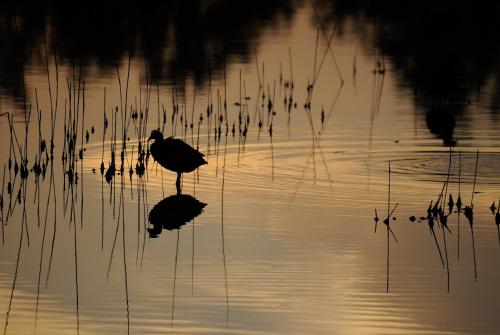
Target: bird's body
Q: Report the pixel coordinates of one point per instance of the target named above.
(175, 155)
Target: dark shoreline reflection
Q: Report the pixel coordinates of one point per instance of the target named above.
(177, 39)
(446, 52)
(173, 212)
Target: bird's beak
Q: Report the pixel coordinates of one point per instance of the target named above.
(150, 138)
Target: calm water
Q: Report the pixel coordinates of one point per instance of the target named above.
(286, 242)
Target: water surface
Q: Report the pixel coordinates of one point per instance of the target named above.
(286, 242)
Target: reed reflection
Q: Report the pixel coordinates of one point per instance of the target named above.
(448, 63)
(440, 210)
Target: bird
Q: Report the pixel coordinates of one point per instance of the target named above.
(175, 155)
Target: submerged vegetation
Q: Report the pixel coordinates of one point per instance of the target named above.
(439, 211)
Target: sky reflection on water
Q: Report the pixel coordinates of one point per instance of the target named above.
(285, 243)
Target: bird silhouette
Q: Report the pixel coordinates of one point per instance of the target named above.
(175, 155)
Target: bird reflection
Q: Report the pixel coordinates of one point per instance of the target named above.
(173, 212)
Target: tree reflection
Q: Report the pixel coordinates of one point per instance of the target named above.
(444, 51)
(177, 39)
(447, 53)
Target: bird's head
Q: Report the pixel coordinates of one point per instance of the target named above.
(156, 135)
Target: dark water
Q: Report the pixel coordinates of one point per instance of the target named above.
(276, 233)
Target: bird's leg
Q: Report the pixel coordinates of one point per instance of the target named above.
(178, 183)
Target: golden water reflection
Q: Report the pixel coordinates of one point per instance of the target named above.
(285, 243)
